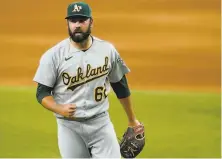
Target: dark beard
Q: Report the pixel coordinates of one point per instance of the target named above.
(80, 38)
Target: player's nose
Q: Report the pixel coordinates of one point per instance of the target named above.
(78, 24)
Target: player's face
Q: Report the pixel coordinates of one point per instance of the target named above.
(79, 28)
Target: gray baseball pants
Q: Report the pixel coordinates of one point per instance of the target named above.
(93, 138)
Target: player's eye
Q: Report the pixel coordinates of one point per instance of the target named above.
(81, 20)
(73, 20)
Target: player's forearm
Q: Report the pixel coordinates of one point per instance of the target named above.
(50, 104)
(44, 97)
(127, 105)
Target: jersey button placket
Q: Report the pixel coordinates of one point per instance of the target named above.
(85, 86)
(85, 81)
(86, 63)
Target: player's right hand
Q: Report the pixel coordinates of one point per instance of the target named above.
(67, 110)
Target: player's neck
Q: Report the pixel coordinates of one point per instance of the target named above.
(83, 45)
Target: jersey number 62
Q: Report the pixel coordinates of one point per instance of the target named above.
(100, 93)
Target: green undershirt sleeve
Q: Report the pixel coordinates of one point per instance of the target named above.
(43, 91)
(121, 88)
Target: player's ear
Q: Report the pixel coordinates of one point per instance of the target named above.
(91, 22)
(67, 24)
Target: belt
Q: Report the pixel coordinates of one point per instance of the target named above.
(82, 119)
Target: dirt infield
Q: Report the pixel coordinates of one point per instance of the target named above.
(173, 44)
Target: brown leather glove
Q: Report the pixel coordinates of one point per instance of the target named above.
(133, 141)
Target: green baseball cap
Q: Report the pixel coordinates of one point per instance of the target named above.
(78, 9)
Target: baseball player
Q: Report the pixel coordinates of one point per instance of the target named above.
(74, 78)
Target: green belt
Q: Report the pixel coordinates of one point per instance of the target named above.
(81, 119)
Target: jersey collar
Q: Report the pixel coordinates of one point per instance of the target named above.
(72, 49)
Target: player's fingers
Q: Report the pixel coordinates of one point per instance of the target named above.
(72, 106)
(71, 111)
(70, 115)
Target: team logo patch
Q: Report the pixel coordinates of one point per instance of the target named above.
(77, 8)
(119, 60)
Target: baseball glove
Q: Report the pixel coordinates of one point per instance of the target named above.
(132, 142)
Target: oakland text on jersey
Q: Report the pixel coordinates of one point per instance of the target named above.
(91, 73)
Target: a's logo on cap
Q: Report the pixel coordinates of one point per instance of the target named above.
(77, 8)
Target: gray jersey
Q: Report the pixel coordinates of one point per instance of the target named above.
(79, 77)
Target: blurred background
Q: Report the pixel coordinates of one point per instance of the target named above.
(168, 44)
(171, 46)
